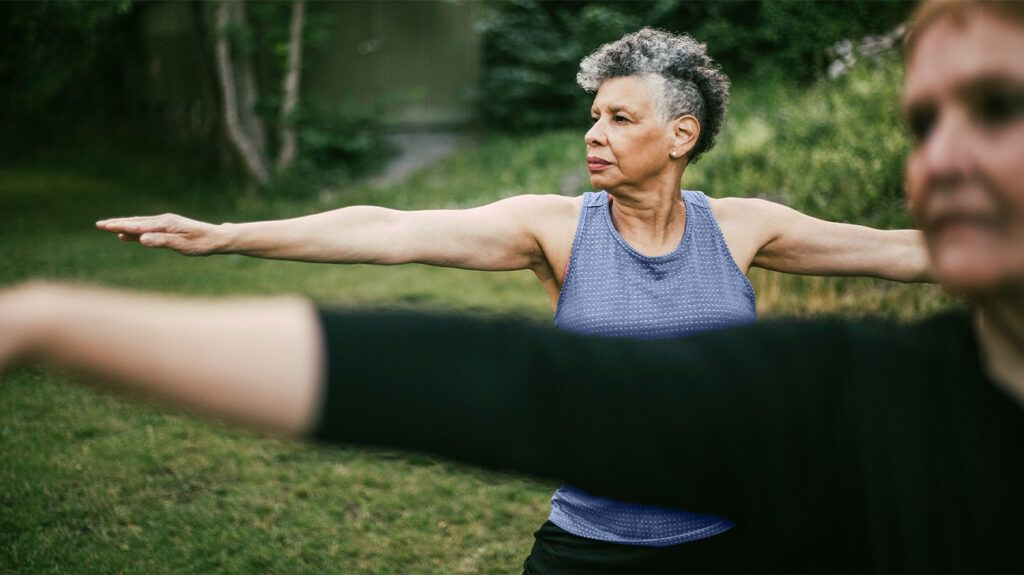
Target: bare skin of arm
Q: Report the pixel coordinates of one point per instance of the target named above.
(256, 362)
(767, 235)
(531, 232)
(522, 232)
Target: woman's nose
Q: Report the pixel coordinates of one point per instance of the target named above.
(595, 135)
(944, 151)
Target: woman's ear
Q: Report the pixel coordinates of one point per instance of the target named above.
(685, 133)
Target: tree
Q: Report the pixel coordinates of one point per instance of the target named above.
(286, 155)
(240, 94)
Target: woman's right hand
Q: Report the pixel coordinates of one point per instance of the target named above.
(23, 314)
(171, 231)
(254, 360)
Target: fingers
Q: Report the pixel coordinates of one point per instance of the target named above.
(161, 240)
(142, 224)
(189, 237)
(131, 226)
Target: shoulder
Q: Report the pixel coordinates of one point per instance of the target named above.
(542, 202)
(941, 334)
(551, 221)
(543, 207)
(886, 344)
(758, 220)
(746, 208)
(748, 223)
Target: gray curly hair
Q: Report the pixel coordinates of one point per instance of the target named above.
(692, 82)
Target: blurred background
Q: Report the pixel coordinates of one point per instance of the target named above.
(233, 111)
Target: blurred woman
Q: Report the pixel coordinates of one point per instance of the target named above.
(638, 258)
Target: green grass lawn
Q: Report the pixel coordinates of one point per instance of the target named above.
(90, 482)
(94, 483)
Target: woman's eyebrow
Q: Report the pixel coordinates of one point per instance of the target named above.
(613, 108)
(966, 90)
(621, 108)
(993, 81)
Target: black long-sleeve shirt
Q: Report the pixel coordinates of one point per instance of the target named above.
(836, 446)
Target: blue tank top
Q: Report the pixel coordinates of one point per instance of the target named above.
(610, 289)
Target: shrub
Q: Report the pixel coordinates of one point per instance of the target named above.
(531, 51)
(834, 149)
(531, 48)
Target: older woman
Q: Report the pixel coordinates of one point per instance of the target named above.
(637, 259)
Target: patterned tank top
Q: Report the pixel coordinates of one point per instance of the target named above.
(610, 289)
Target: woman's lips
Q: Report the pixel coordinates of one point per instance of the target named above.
(595, 164)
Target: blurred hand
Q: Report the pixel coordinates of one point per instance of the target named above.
(183, 235)
(10, 334)
(21, 319)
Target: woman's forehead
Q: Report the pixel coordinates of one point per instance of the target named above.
(951, 55)
(638, 93)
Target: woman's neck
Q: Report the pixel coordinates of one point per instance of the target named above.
(1000, 324)
(652, 220)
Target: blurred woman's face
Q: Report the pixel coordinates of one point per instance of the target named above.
(629, 142)
(964, 103)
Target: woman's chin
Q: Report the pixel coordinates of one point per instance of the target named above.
(978, 277)
(600, 181)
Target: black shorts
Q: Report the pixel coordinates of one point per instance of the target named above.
(555, 550)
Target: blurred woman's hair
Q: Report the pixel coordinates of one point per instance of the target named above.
(958, 11)
(691, 82)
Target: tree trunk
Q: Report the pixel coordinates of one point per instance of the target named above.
(254, 162)
(248, 93)
(292, 78)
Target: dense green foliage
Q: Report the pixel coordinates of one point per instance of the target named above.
(57, 56)
(336, 136)
(346, 138)
(834, 149)
(532, 47)
(64, 68)
(63, 64)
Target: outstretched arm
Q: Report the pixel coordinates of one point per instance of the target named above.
(254, 361)
(504, 235)
(786, 429)
(491, 393)
(785, 240)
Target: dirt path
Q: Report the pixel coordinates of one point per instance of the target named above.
(419, 149)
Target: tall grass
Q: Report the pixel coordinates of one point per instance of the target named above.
(94, 483)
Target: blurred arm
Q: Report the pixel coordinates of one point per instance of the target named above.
(498, 236)
(736, 422)
(796, 243)
(254, 361)
(492, 393)
(718, 423)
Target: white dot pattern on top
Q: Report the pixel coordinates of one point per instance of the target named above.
(610, 289)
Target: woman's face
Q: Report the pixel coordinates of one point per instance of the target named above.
(964, 103)
(629, 143)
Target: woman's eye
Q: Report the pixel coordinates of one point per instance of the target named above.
(998, 108)
(920, 123)
(594, 119)
(621, 119)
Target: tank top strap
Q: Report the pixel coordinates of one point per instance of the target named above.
(595, 199)
(593, 204)
(698, 199)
